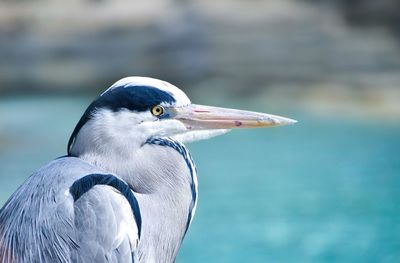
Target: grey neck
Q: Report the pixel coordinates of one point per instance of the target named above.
(163, 179)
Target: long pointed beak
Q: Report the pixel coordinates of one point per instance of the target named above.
(198, 117)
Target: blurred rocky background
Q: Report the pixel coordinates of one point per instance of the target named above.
(342, 55)
(323, 190)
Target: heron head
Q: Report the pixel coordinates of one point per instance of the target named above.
(135, 109)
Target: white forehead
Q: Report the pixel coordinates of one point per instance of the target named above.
(179, 95)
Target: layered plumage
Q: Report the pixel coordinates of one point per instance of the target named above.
(127, 190)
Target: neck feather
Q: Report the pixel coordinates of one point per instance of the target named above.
(163, 175)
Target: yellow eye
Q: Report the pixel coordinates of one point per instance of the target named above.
(157, 110)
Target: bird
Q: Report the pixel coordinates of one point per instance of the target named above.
(126, 191)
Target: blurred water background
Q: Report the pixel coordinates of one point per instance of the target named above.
(324, 190)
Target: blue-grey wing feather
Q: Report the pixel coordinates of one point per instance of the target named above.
(106, 229)
(41, 222)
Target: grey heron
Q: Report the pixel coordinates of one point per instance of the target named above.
(127, 190)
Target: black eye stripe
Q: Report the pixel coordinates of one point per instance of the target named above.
(134, 98)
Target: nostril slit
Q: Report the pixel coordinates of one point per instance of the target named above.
(238, 123)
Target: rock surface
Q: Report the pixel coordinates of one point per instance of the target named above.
(245, 47)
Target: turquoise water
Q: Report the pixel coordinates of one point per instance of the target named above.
(324, 190)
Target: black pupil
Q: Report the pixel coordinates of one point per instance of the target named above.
(157, 110)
